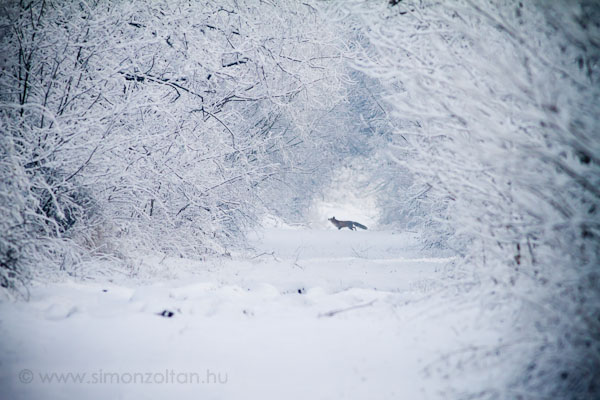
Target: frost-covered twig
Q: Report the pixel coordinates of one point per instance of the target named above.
(334, 312)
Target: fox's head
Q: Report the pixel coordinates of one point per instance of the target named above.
(332, 219)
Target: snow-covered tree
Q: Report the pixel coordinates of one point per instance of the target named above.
(499, 104)
(152, 125)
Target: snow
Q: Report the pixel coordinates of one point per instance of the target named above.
(346, 198)
(313, 314)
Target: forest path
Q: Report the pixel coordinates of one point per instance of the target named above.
(313, 314)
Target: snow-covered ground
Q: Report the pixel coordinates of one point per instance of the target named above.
(310, 314)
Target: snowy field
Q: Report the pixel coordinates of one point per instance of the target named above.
(314, 314)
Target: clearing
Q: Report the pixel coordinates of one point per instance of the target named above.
(313, 314)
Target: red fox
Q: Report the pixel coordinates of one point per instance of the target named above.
(346, 224)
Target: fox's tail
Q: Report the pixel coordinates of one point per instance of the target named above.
(361, 226)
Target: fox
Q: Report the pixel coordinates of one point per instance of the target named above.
(346, 224)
